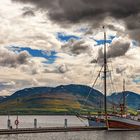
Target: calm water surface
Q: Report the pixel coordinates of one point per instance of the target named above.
(92, 135)
(44, 121)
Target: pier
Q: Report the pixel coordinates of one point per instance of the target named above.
(49, 129)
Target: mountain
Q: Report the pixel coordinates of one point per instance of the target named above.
(52, 100)
(63, 99)
(132, 99)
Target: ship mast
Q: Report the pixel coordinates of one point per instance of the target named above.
(105, 72)
(124, 96)
(122, 105)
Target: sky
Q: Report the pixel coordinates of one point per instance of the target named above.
(50, 43)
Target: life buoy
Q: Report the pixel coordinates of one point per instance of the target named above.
(16, 122)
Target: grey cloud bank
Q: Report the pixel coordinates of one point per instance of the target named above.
(10, 59)
(76, 10)
(92, 11)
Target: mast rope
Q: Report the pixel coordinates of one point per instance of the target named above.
(82, 121)
(92, 87)
(112, 75)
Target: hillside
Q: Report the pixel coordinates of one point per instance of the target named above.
(2, 98)
(52, 100)
(132, 99)
(64, 99)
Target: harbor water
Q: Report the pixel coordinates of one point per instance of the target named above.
(47, 121)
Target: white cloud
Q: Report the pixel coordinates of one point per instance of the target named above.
(25, 31)
(73, 64)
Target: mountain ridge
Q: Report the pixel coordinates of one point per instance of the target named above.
(132, 98)
(52, 99)
(61, 99)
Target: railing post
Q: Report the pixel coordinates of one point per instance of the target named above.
(35, 123)
(65, 123)
(8, 123)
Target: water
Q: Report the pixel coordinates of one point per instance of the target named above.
(91, 135)
(44, 121)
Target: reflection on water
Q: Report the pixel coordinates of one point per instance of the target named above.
(91, 135)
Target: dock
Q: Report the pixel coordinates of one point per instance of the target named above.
(50, 129)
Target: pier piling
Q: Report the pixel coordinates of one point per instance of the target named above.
(8, 123)
(35, 123)
(65, 123)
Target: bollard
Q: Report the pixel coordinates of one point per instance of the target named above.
(65, 123)
(8, 123)
(35, 123)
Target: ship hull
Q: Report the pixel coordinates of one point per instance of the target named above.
(93, 121)
(96, 124)
(118, 123)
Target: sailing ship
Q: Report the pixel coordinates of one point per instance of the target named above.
(112, 122)
(118, 121)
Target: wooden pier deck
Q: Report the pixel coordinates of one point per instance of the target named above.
(49, 129)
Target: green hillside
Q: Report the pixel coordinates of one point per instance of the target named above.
(69, 99)
(64, 99)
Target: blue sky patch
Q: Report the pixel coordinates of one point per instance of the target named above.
(64, 38)
(49, 55)
(137, 80)
(101, 42)
(135, 43)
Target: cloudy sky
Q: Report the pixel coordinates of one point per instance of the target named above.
(48, 43)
